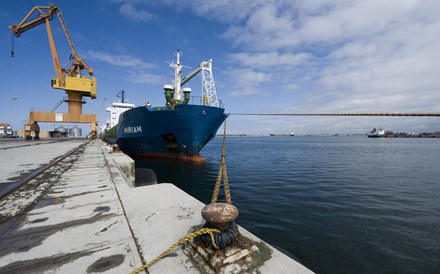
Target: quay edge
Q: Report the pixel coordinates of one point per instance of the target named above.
(173, 214)
(95, 220)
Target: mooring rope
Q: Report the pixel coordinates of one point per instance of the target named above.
(182, 240)
(341, 114)
(222, 174)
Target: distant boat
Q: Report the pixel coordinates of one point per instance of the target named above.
(376, 132)
(275, 134)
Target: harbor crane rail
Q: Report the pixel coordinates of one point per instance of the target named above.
(71, 80)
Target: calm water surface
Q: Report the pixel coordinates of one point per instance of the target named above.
(338, 204)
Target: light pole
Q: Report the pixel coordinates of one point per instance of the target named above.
(13, 112)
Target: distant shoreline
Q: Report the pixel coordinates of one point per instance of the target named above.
(389, 135)
(411, 135)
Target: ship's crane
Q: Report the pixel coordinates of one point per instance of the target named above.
(71, 79)
(209, 93)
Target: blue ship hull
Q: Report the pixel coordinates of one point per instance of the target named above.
(177, 132)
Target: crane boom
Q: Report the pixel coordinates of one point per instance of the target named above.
(209, 92)
(23, 26)
(80, 64)
(46, 14)
(72, 78)
(190, 75)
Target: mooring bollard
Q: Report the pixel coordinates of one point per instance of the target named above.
(221, 216)
(116, 148)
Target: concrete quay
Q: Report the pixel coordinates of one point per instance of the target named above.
(91, 219)
(19, 157)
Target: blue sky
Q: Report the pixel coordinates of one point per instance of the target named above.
(268, 56)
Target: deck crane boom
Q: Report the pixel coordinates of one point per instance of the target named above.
(209, 93)
(71, 80)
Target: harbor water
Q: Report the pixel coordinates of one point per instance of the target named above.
(338, 204)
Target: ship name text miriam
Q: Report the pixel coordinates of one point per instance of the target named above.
(134, 129)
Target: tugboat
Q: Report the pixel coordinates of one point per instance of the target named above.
(180, 128)
(375, 133)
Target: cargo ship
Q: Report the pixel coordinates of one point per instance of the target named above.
(108, 130)
(291, 133)
(178, 129)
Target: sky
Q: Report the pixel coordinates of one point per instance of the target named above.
(329, 56)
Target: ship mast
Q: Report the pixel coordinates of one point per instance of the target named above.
(177, 77)
(209, 93)
(121, 95)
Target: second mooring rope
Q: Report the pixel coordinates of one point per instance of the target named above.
(222, 174)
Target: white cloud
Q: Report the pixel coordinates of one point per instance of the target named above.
(134, 67)
(401, 63)
(269, 59)
(292, 87)
(286, 24)
(266, 26)
(221, 10)
(357, 56)
(135, 14)
(143, 77)
(118, 60)
(252, 71)
(355, 19)
(369, 54)
(246, 81)
(330, 56)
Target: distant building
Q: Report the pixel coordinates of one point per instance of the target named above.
(5, 130)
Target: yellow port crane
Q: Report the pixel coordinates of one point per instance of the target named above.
(71, 80)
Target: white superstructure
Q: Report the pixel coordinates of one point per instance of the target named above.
(116, 109)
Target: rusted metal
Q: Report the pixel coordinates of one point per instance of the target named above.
(219, 215)
(244, 254)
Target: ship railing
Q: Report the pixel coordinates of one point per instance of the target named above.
(200, 100)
